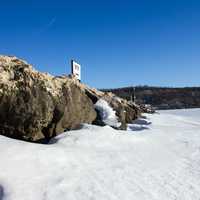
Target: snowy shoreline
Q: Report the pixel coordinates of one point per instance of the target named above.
(161, 161)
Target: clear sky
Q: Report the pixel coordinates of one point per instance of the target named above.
(118, 43)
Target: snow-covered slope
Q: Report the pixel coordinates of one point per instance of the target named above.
(158, 161)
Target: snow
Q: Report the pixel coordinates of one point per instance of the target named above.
(159, 162)
(108, 115)
(139, 124)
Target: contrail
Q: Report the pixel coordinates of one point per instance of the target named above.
(47, 26)
(51, 23)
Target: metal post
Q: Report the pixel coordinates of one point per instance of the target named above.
(134, 97)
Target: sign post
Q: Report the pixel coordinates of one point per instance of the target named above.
(76, 69)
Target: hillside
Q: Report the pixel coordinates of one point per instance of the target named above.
(162, 97)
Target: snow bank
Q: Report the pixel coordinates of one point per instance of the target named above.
(108, 115)
(158, 163)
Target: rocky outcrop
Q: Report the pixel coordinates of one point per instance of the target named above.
(35, 106)
(125, 111)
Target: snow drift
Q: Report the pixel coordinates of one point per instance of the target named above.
(108, 115)
(161, 162)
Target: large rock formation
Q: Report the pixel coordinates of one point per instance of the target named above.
(36, 106)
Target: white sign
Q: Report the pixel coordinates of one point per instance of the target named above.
(76, 69)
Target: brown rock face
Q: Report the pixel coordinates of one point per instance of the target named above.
(34, 105)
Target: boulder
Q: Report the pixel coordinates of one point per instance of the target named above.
(125, 111)
(36, 106)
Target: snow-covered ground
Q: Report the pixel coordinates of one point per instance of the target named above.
(159, 160)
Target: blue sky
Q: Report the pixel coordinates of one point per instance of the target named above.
(118, 43)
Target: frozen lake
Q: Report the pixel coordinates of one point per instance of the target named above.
(159, 161)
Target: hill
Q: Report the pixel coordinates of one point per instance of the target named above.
(161, 97)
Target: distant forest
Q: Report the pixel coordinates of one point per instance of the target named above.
(161, 97)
